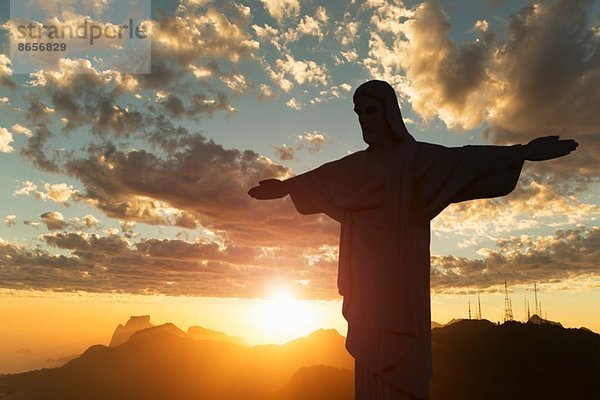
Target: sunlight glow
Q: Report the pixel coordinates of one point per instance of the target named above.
(283, 317)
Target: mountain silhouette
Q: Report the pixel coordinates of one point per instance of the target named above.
(200, 333)
(473, 359)
(123, 332)
(476, 359)
(318, 382)
(163, 362)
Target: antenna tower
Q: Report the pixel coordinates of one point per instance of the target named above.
(469, 308)
(538, 306)
(478, 307)
(508, 314)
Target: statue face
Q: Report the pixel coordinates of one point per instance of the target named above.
(376, 130)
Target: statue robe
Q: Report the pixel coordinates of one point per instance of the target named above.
(385, 205)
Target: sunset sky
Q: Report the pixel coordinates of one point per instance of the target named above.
(125, 194)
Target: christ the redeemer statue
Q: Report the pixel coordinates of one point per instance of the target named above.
(385, 197)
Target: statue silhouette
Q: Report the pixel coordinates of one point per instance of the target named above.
(385, 197)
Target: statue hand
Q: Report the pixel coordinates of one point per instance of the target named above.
(548, 147)
(268, 189)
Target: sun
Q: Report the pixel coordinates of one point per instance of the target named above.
(282, 317)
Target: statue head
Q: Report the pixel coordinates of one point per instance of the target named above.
(379, 116)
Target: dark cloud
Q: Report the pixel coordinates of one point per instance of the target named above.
(174, 106)
(439, 77)
(35, 151)
(568, 254)
(285, 152)
(537, 76)
(39, 114)
(203, 180)
(175, 267)
(550, 67)
(53, 220)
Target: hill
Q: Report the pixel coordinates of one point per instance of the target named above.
(318, 382)
(163, 362)
(123, 332)
(476, 359)
(200, 333)
(472, 359)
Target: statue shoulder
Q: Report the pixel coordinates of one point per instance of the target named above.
(346, 161)
(432, 147)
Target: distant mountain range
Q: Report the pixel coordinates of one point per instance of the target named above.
(163, 362)
(138, 323)
(473, 359)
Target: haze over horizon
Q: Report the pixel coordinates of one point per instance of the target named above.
(470, 359)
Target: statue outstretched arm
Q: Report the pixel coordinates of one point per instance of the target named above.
(452, 175)
(547, 148)
(269, 189)
(311, 192)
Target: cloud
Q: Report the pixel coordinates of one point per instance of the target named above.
(6, 72)
(202, 179)
(21, 130)
(346, 56)
(27, 188)
(510, 79)
(53, 220)
(141, 166)
(10, 220)
(127, 229)
(114, 264)
(308, 26)
(266, 92)
(36, 149)
(539, 94)
(529, 206)
(557, 93)
(439, 78)
(347, 30)
(88, 221)
(302, 71)
(60, 192)
(566, 255)
(315, 140)
(84, 95)
(204, 34)
(293, 104)
(285, 152)
(57, 192)
(6, 139)
(268, 34)
(31, 223)
(321, 14)
(282, 10)
(236, 82)
(388, 16)
(197, 42)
